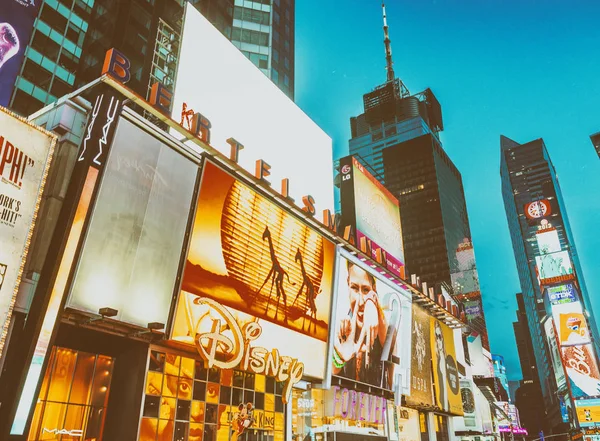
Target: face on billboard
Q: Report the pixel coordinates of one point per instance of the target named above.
(420, 385)
(372, 330)
(588, 412)
(377, 215)
(132, 250)
(263, 265)
(445, 369)
(571, 324)
(241, 102)
(24, 157)
(562, 294)
(582, 371)
(548, 242)
(16, 25)
(554, 265)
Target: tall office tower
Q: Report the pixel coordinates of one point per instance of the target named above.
(264, 31)
(500, 371)
(524, 344)
(555, 297)
(595, 138)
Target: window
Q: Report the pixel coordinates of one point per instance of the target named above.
(36, 74)
(53, 18)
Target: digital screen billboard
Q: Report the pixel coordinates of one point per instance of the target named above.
(571, 324)
(538, 209)
(551, 338)
(242, 103)
(263, 265)
(25, 155)
(16, 26)
(588, 412)
(371, 335)
(421, 392)
(560, 294)
(548, 242)
(582, 371)
(445, 369)
(554, 265)
(131, 255)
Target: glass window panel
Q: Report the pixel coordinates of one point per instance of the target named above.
(196, 431)
(95, 423)
(184, 388)
(249, 381)
(201, 371)
(269, 402)
(62, 375)
(211, 414)
(199, 391)
(154, 383)
(165, 430)
(151, 406)
(54, 415)
(226, 377)
(259, 400)
(259, 383)
(148, 429)
(212, 393)
(187, 367)
(237, 396)
(225, 396)
(170, 386)
(157, 361)
(167, 408)
(214, 375)
(238, 379)
(76, 417)
(181, 431)
(82, 380)
(197, 412)
(248, 396)
(102, 377)
(210, 433)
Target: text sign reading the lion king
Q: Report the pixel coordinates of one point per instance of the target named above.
(264, 266)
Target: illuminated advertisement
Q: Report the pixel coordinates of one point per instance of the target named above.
(554, 266)
(538, 209)
(502, 412)
(445, 370)
(377, 219)
(267, 269)
(466, 279)
(16, 25)
(25, 155)
(562, 294)
(185, 400)
(468, 402)
(241, 102)
(352, 405)
(133, 245)
(421, 392)
(548, 242)
(588, 412)
(571, 324)
(372, 329)
(582, 371)
(551, 338)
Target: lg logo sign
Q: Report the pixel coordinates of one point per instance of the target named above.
(74, 433)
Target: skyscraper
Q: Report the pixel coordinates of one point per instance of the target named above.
(70, 39)
(524, 344)
(549, 271)
(264, 31)
(595, 138)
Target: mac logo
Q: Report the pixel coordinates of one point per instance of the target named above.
(76, 433)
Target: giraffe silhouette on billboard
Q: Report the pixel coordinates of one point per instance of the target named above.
(310, 292)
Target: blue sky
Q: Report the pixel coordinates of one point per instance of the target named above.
(525, 69)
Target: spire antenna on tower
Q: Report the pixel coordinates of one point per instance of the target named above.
(388, 47)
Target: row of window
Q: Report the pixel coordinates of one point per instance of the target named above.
(249, 36)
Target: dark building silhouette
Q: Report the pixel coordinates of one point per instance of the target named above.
(595, 138)
(524, 345)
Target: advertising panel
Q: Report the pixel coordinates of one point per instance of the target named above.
(378, 219)
(554, 265)
(405, 422)
(502, 414)
(548, 242)
(25, 155)
(371, 335)
(16, 26)
(551, 338)
(538, 209)
(132, 250)
(588, 412)
(465, 282)
(421, 392)
(571, 324)
(582, 371)
(268, 270)
(481, 359)
(468, 402)
(241, 102)
(445, 369)
(562, 294)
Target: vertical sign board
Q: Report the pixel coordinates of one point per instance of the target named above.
(25, 155)
(445, 368)
(421, 392)
(16, 25)
(73, 220)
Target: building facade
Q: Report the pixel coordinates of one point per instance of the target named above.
(549, 272)
(524, 344)
(595, 138)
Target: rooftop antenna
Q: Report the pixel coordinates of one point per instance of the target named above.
(388, 47)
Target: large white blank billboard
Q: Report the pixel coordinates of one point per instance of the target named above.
(215, 79)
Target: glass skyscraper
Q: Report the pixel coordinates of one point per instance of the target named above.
(533, 201)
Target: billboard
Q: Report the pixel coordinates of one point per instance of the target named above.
(25, 154)
(548, 242)
(16, 26)
(571, 324)
(588, 412)
(468, 402)
(481, 359)
(538, 209)
(560, 294)
(241, 102)
(263, 265)
(374, 213)
(373, 323)
(551, 338)
(582, 371)
(554, 265)
(421, 392)
(132, 250)
(445, 369)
